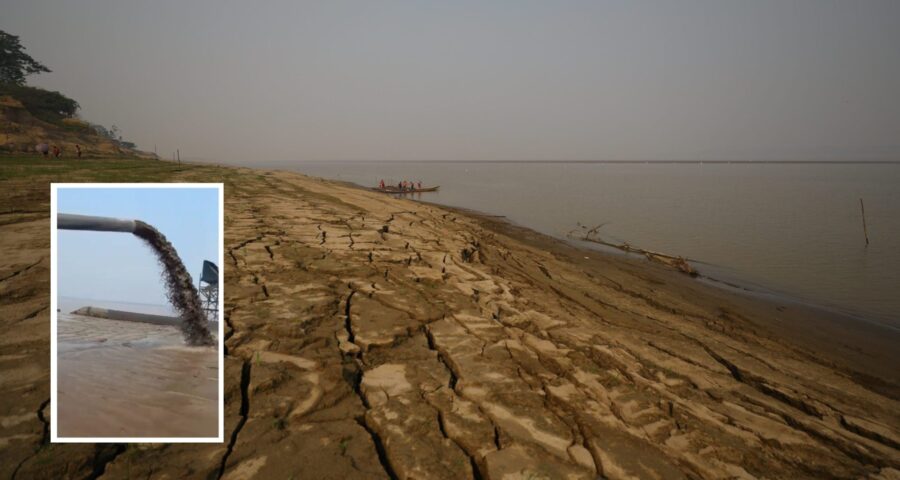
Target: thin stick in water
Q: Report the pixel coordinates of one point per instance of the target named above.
(862, 208)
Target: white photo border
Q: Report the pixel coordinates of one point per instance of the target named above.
(54, 438)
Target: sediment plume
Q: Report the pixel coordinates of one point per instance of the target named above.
(179, 289)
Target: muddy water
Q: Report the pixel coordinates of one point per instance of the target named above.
(126, 379)
(180, 289)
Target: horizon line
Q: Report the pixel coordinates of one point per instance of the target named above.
(608, 161)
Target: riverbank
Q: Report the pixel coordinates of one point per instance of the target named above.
(866, 349)
(788, 228)
(371, 337)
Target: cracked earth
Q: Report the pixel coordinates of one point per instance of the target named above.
(370, 337)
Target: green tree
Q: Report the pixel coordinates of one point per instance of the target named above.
(44, 104)
(15, 64)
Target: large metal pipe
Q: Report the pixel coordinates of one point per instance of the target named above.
(67, 221)
(136, 317)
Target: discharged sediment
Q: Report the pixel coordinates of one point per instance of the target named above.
(132, 379)
(180, 289)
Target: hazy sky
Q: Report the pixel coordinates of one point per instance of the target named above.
(120, 267)
(292, 80)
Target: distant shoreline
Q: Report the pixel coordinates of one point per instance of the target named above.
(627, 162)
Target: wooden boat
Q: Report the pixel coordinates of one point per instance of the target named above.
(398, 191)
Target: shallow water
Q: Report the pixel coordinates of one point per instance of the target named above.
(790, 228)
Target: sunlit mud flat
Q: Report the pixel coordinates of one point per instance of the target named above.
(128, 379)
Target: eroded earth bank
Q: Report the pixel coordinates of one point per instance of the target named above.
(370, 337)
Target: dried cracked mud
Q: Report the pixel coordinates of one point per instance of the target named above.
(370, 337)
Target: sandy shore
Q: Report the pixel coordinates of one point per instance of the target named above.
(370, 337)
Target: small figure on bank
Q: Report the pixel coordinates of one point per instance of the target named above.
(78, 150)
(56, 151)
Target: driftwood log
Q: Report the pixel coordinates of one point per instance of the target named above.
(592, 235)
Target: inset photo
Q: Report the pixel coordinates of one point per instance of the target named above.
(136, 313)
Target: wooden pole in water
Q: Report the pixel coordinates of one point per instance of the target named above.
(862, 209)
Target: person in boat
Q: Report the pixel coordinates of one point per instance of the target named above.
(381, 184)
(399, 185)
(420, 184)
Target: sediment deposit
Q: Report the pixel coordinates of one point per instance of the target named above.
(370, 337)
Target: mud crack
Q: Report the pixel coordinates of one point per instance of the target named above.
(103, 455)
(379, 449)
(348, 324)
(21, 270)
(45, 435)
(245, 410)
(759, 384)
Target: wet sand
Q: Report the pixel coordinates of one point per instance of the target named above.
(371, 337)
(131, 379)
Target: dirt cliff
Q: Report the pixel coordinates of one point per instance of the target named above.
(21, 131)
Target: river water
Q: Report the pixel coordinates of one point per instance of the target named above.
(792, 229)
(132, 379)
